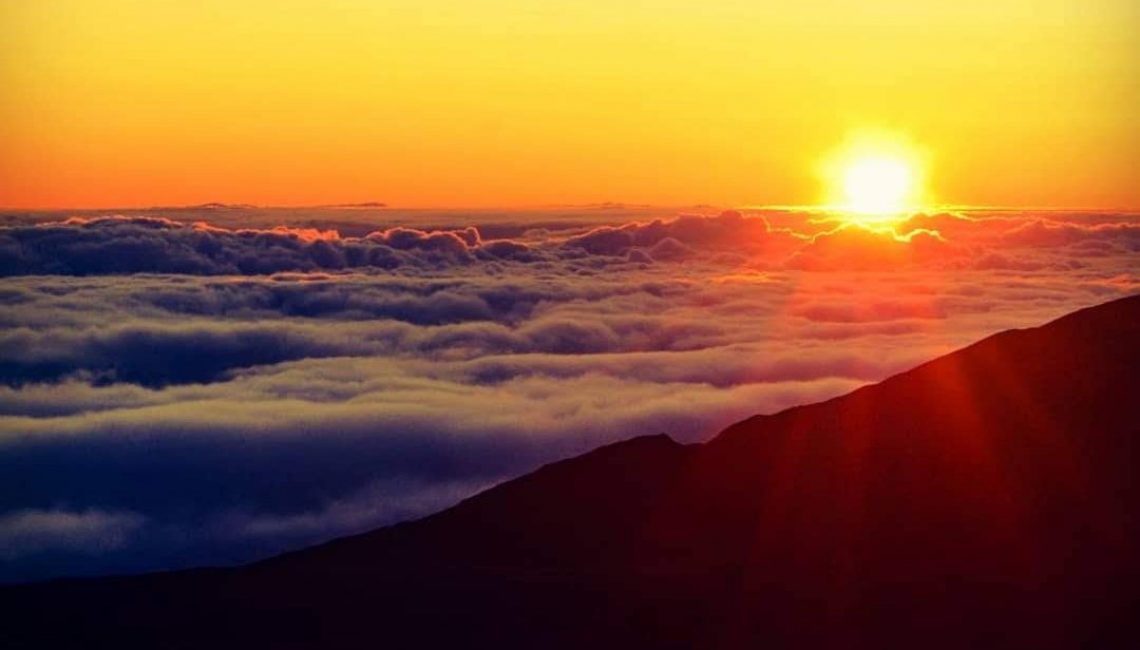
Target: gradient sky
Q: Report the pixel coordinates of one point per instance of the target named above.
(496, 103)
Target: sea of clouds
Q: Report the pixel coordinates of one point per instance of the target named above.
(208, 387)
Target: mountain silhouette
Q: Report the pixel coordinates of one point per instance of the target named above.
(986, 499)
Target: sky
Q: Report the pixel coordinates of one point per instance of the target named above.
(210, 386)
(493, 103)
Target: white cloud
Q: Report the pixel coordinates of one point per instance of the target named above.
(33, 531)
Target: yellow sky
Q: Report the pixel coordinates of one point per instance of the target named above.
(527, 102)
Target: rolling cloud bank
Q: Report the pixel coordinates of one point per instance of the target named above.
(177, 390)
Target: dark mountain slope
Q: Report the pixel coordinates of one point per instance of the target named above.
(985, 499)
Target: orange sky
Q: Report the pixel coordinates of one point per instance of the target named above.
(505, 103)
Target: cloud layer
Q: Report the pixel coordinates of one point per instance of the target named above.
(178, 393)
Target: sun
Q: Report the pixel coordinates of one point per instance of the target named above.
(875, 178)
(877, 185)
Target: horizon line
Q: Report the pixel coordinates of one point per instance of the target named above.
(596, 205)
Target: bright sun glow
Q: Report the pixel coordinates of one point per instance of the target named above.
(877, 185)
(875, 177)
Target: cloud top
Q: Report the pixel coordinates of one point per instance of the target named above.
(178, 389)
